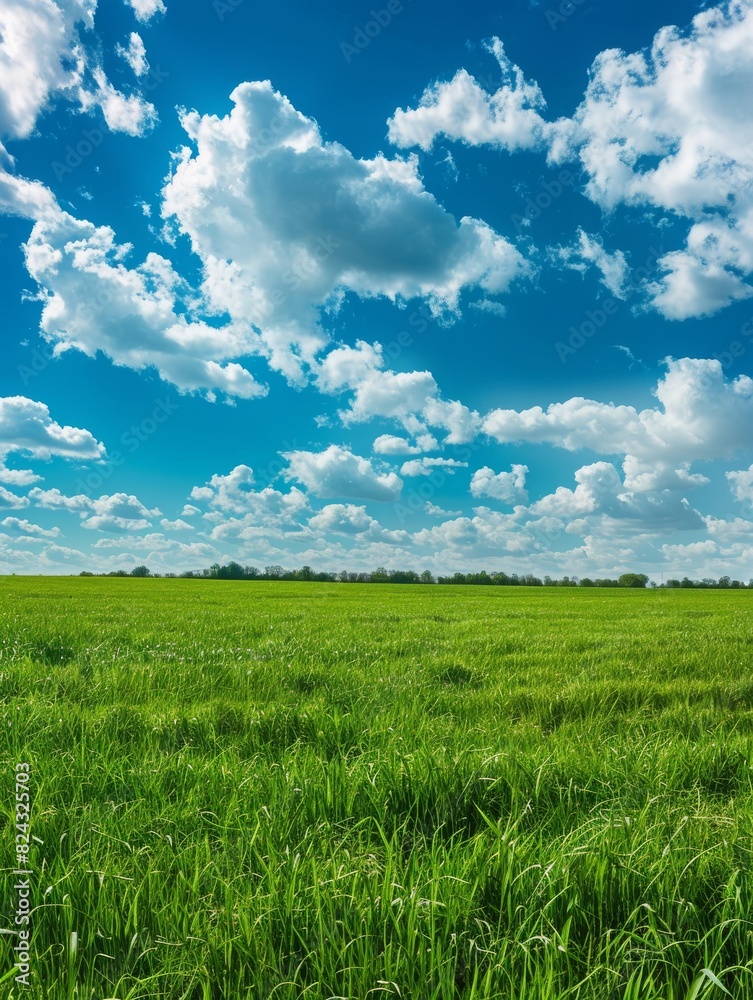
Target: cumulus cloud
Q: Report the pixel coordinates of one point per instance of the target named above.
(700, 416)
(510, 487)
(601, 504)
(146, 9)
(177, 525)
(94, 302)
(462, 110)
(664, 129)
(119, 512)
(412, 399)
(28, 531)
(43, 54)
(240, 513)
(425, 466)
(348, 519)
(337, 472)
(589, 250)
(27, 428)
(325, 223)
(12, 500)
(741, 484)
(134, 54)
(393, 444)
(116, 513)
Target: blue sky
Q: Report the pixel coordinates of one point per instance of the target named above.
(386, 285)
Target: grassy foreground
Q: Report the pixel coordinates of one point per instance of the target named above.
(293, 791)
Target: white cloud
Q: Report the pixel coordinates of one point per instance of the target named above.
(667, 128)
(395, 395)
(348, 519)
(228, 493)
(27, 428)
(325, 223)
(337, 472)
(134, 54)
(601, 504)
(128, 113)
(39, 55)
(160, 554)
(146, 9)
(589, 249)
(392, 444)
(28, 530)
(346, 367)
(94, 302)
(510, 487)
(411, 398)
(741, 484)
(425, 466)
(242, 514)
(55, 500)
(693, 287)
(434, 511)
(43, 54)
(461, 109)
(701, 416)
(119, 512)
(178, 525)
(489, 306)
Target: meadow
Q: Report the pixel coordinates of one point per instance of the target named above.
(284, 791)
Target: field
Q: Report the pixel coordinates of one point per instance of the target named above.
(293, 791)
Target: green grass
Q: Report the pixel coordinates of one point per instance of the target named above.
(308, 791)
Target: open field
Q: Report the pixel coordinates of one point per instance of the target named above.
(299, 790)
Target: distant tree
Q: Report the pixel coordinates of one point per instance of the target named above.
(273, 572)
(633, 580)
(140, 571)
(426, 577)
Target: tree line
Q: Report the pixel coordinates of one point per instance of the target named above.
(234, 571)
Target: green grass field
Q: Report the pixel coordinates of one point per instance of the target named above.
(309, 791)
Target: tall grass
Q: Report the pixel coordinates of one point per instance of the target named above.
(310, 791)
